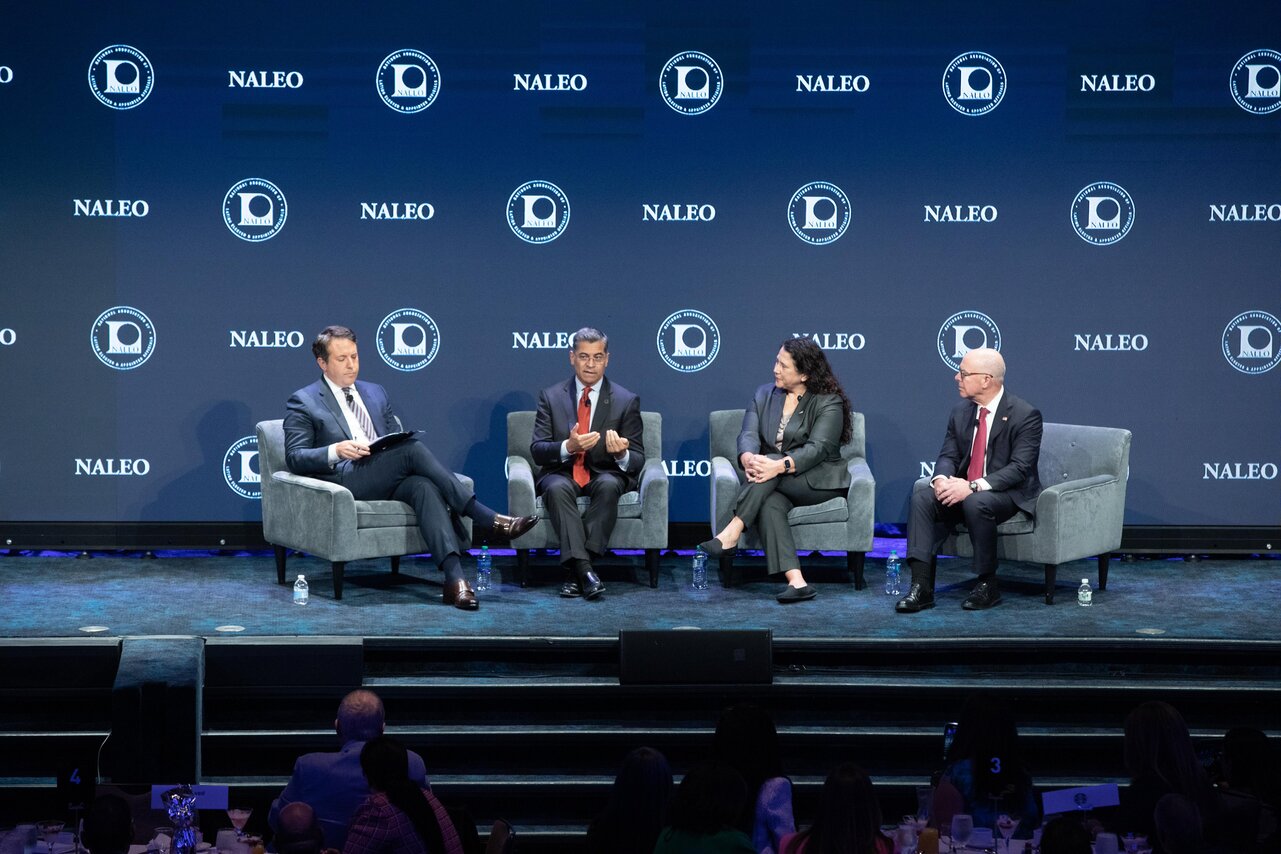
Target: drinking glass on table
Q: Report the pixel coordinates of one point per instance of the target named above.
(226, 839)
(1005, 825)
(49, 830)
(962, 828)
(907, 835)
(161, 840)
(239, 818)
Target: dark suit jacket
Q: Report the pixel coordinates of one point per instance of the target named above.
(334, 785)
(616, 409)
(812, 437)
(314, 421)
(1013, 448)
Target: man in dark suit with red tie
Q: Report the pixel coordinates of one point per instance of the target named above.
(329, 426)
(985, 473)
(588, 441)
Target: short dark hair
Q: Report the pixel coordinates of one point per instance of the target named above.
(320, 347)
(108, 827)
(588, 335)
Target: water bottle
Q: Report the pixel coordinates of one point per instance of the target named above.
(893, 574)
(300, 590)
(699, 575)
(484, 565)
(1084, 595)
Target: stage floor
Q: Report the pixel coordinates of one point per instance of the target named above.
(195, 593)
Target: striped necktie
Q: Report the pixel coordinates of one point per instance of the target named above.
(362, 417)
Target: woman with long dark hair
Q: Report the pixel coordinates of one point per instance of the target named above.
(1160, 760)
(747, 740)
(789, 452)
(985, 775)
(637, 808)
(848, 820)
(397, 816)
(707, 813)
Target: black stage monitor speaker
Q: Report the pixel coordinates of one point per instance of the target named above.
(696, 657)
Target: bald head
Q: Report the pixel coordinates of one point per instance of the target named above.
(360, 716)
(988, 361)
(297, 819)
(981, 375)
(298, 831)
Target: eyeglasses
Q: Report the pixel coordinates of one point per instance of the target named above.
(968, 374)
(591, 358)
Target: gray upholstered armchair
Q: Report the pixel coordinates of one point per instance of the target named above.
(1080, 512)
(839, 524)
(642, 513)
(325, 520)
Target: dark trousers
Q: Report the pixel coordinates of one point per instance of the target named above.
(410, 472)
(766, 506)
(588, 532)
(930, 523)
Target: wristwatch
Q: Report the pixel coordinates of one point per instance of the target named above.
(787, 465)
(974, 486)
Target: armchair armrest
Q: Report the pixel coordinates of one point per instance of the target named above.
(292, 517)
(653, 485)
(520, 486)
(724, 492)
(1080, 518)
(861, 499)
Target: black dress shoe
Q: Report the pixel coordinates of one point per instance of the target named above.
(983, 596)
(713, 548)
(796, 594)
(591, 585)
(570, 589)
(917, 599)
(460, 595)
(512, 527)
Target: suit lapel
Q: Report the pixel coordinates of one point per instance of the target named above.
(966, 430)
(326, 395)
(797, 422)
(773, 415)
(999, 425)
(569, 405)
(600, 414)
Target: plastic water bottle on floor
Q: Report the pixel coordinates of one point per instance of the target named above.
(893, 574)
(484, 566)
(1084, 595)
(699, 574)
(300, 590)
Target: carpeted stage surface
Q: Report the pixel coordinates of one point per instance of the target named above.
(193, 593)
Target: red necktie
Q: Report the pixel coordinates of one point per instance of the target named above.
(978, 456)
(581, 475)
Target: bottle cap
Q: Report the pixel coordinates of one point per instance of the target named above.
(1085, 581)
(302, 577)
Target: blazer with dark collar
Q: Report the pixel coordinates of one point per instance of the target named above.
(314, 420)
(616, 409)
(1013, 448)
(812, 437)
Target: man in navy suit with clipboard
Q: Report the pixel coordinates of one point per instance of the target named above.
(330, 428)
(985, 473)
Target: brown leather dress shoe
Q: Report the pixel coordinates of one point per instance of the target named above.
(460, 595)
(512, 527)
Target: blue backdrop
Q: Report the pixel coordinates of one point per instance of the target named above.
(188, 194)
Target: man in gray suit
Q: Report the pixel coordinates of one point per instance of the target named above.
(985, 473)
(332, 783)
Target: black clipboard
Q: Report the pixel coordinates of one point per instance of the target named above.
(382, 443)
